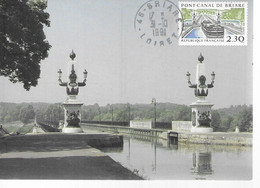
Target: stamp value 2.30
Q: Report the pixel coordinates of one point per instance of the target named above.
(214, 23)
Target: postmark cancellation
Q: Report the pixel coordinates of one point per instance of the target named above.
(158, 22)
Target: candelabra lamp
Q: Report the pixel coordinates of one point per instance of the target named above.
(201, 109)
(72, 107)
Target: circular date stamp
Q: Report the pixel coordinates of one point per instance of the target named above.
(158, 22)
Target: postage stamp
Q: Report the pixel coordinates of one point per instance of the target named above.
(158, 22)
(214, 23)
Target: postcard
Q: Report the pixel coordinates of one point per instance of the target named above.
(126, 90)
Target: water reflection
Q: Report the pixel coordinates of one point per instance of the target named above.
(161, 159)
(154, 153)
(153, 144)
(201, 164)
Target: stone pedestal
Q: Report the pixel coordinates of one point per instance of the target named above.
(201, 117)
(72, 110)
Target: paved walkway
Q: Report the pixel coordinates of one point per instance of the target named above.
(42, 160)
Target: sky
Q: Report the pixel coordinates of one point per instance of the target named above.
(122, 68)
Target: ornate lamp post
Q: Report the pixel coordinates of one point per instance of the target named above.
(129, 112)
(112, 115)
(201, 109)
(71, 106)
(218, 15)
(154, 105)
(99, 114)
(194, 16)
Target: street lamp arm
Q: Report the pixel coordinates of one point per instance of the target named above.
(81, 84)
(211, 84)
(192, 85)
(62, 83)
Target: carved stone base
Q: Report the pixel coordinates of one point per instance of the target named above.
(72, 117)
(201, 129)
(72, 130)
(201, 116)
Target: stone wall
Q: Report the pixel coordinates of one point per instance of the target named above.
(242, 139)
(181, 126)
(58, 140)
(141, 124)
(215, 138)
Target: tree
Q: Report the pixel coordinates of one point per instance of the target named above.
(7, 118)
(121, 115)
(182, 113)
(166, 116)
(53, 113)
(243, 120)
(22, 40)
(215, 120)
(226, 122)
(26, 113)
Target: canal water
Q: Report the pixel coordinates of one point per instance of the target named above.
(196, 33)
(156, 159)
